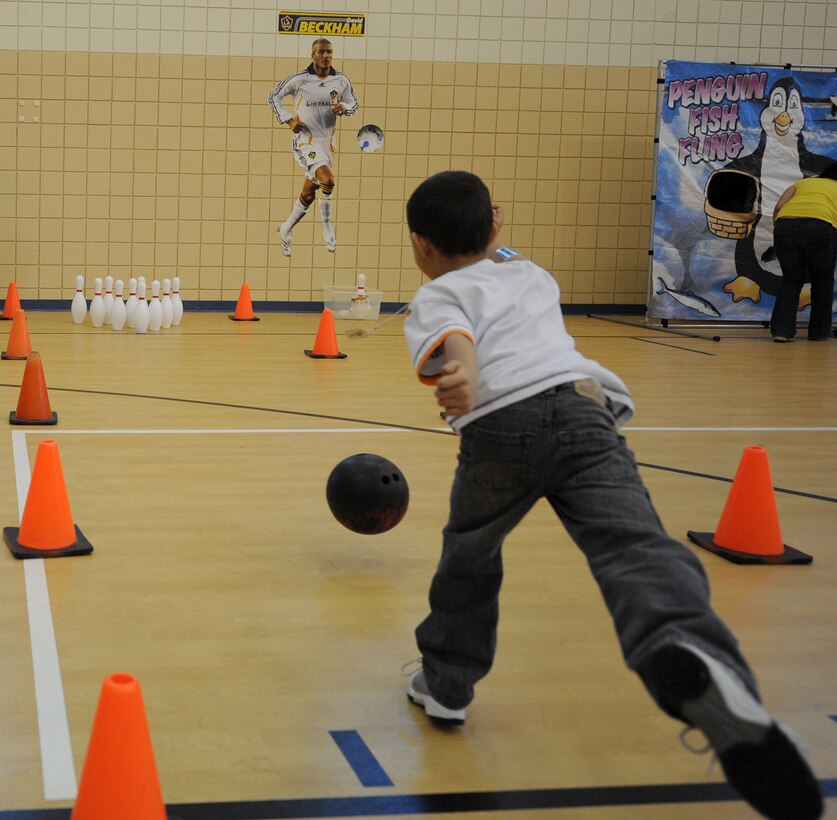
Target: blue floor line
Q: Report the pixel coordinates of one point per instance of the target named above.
(360, 758)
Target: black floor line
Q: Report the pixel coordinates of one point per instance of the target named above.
(441, 432)
(676, 347)
(230, 406)
(730, 480)
(446, 803)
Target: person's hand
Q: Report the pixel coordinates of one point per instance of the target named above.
(338, 108)
(296, 125)
(456, 388)
(499, 216)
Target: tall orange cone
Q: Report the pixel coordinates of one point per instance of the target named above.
(46, 528)
(244, 307)
(325, 345)
(119, 779)
(12, 302)
(748, 532)
(33, 402)
(18, 346)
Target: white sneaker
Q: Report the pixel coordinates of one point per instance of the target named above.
(285, 240)
(419, 694)
(329, 238)
(760, 758)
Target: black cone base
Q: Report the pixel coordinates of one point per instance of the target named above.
(13, 419)
(81, 546)
(789, 556)
(314, 355)
(236, 319)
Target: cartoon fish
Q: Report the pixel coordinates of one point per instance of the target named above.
(689, 299)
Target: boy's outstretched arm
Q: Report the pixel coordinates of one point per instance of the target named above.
(456, 386)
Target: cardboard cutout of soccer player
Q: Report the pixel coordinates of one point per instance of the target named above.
(320, 95)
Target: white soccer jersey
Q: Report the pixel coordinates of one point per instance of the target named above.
(512, 312)
(312, 100)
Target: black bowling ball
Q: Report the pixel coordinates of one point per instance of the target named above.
(367, 493)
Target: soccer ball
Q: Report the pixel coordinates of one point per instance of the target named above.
(370, 138)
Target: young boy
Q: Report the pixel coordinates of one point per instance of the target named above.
(537, 419)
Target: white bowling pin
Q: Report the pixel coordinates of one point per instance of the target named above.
(118, 313)
(360, 289)
(155, 309)
(141, 310)
(360, 309)
(176, 301)
(97, 305)
(79, 308)
(108, 298)
(166, 305)
(131, 304)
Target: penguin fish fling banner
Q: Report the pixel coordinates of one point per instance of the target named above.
(732, 139)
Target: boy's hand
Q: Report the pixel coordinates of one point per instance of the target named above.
(296, 125)
(456, 388)
(499, 216)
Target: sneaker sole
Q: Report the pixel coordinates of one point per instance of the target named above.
(759, 759)
(434, 709)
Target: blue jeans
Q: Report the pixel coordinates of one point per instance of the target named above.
(806, 249)
(562, 445)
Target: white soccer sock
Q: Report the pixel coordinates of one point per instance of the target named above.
(296, 214)
(325, 208)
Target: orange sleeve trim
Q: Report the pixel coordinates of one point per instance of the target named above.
(440, 343)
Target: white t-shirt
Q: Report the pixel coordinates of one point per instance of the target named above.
(512, 312)
(313, 97)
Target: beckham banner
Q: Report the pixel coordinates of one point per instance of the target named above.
(732, 139)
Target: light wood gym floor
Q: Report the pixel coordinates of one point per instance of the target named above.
(196, 459)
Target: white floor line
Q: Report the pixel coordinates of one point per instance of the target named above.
(59, 773)
(731, 429)
(356, 430)
(240, 432)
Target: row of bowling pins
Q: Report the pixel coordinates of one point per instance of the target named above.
(138, 313)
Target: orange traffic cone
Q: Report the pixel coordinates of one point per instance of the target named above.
(33, 402)
(46, 527)
(12, 302)
(748, 532)
(119, 778)
(18, 346)
(244, 307)
(325, 345)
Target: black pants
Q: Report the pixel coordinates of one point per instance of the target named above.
(806, 249)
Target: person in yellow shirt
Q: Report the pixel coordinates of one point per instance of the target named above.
(805, 238)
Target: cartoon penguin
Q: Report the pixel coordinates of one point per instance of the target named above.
(779, 160)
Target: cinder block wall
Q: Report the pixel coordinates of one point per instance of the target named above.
(154, 151)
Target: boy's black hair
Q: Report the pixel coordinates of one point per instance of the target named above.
(453, 210)
(829, 172)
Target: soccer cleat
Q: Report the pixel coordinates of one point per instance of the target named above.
(285, 240)
(419, 694)
(329, 238)
(759, 757)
